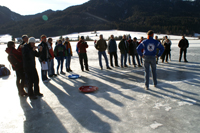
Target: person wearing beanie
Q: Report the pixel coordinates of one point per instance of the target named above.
(69, 53)
(124, 49)
(112, 50)
(150, 53)
(101, 47)
(51, 71)
(24, 41)
(44, 57)
(82, 53)
(29, 53)
(60, 54)
(17, 65)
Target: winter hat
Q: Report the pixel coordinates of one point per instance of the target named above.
(66, 37)
(135, 38)
(129, 37)
(82, 37)
(31, 39)
(23, 36)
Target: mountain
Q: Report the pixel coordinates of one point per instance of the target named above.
(166, 16)
(7, 15)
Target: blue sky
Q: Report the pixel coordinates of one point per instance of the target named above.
(27, 7)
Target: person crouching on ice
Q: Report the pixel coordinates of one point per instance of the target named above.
(60, 53)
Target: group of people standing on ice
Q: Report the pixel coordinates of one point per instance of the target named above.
(146, 52)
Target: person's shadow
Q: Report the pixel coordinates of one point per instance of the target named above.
(82, 107)
(40, 118)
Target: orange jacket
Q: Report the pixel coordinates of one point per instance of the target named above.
(68, 47)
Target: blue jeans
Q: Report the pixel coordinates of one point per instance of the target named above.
(60, 62)
(68, 60)
(105, 57)
(51, 67)
(150, 61)
(123, 59)
(137, 57)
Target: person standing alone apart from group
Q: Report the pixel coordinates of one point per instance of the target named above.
(29, 53)
(150, 49)
(112, 50)
(44, 57)
(183, 45)
(123, 47)
(82, 53)
(101, 47)
(69, 53)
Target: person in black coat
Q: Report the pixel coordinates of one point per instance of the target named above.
(167, 46)
(112, 50)
(183, 45)
(29, 53)
(44, 57)
(132, 50)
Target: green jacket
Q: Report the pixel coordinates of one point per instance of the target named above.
(60, 51)
(123, 47)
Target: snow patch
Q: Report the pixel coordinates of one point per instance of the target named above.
(168, 108)
(155, 125)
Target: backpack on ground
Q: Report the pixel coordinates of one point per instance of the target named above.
(4, 71)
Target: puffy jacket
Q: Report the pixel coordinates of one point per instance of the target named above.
(101, 45)
(183, 44)
(60, 51)
(29, 57)
(112, 46)
(123, 46)
(45, 55)
(68, 48)
(82, 46)
(150, 45)
(18, 56)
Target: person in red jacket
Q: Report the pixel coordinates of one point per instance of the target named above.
(17, 67)
(51, 71)
(82, 45)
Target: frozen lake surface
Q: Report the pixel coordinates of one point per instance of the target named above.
(120, 105)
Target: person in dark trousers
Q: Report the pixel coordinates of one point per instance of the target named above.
(112, 50)
(141, 39)
(132, 50)
(183, 45)
(17, 67)
(60, 54)
(167, 46)
(165, 38)
(150, 45)
(69, 53)
(44, 57)
(29, 53)
(51, 71)
(157, 50)
(82, 53)
(123, 47)
(101, 47)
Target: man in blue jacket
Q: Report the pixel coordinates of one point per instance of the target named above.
(112, 50)
(150, 45)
